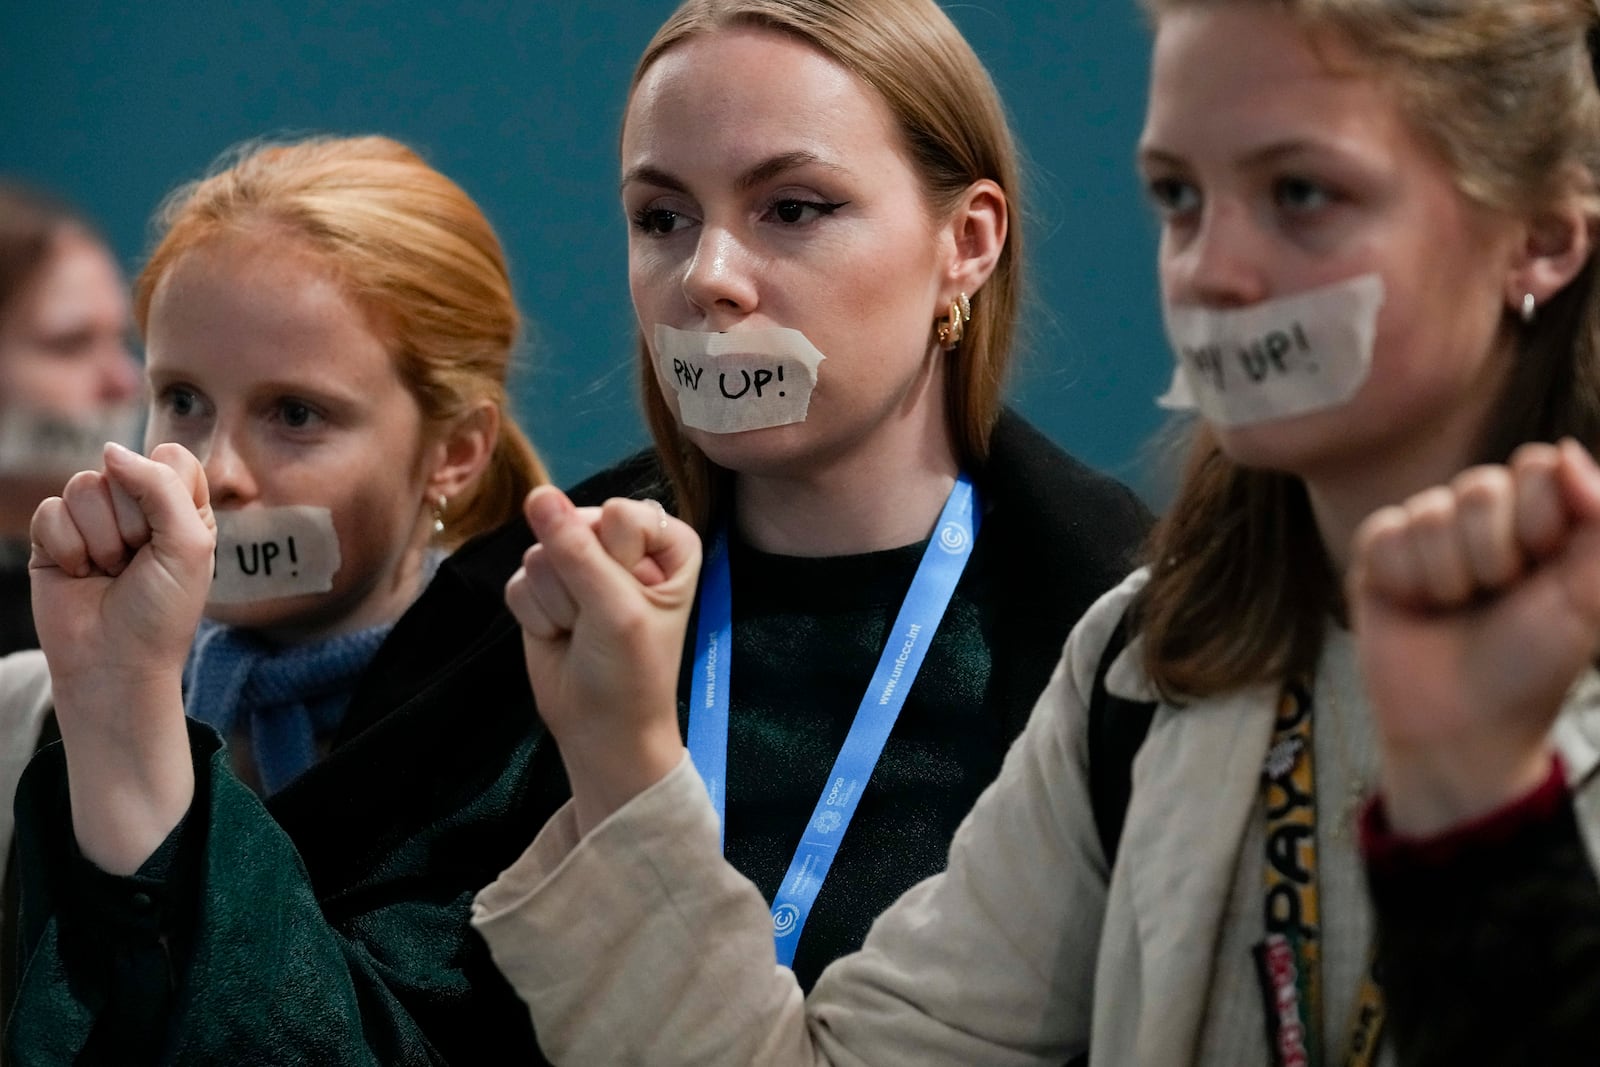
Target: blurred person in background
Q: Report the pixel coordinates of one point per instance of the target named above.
(66, 371)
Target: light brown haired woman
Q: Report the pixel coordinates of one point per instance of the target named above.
(1376, 264)
(282, 875)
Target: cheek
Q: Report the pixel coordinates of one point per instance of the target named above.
(374, 524)
(650, 284)
(1435, 332)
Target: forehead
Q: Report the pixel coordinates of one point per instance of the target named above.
(77, 279)
(256, 301)
(1222, 72)
(739, 94)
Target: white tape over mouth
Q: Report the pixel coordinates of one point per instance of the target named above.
(39, 444)
(266, 553)
(739, 380)
(1302, 353)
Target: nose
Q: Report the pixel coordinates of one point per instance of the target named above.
(120, 377)
(228, 471)
(719, 280)
(1221, 265)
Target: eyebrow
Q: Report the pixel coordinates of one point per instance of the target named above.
(764, 171)
(1256, 157)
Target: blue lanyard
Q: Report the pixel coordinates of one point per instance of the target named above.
(937, 575)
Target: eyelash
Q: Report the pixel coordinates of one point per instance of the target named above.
(823, 208)
(646, 219)
(169, 399)
(1162, 192)
(313, 415)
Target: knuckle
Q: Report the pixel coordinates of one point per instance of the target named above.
(1431, 509)
(1533, 456)
(1482, 485)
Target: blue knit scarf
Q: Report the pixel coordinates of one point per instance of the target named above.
(289, 697)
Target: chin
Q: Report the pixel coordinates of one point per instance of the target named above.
(1292, 445)
(280, 618)
(765, 451)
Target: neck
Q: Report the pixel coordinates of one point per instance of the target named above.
(883, 496)
(382, 605)
(1342, 499)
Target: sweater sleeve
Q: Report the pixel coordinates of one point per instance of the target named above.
(1489, 936)
(218, 951)
(638, 943)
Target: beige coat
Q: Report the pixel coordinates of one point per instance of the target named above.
(24, 701)
(641, 946)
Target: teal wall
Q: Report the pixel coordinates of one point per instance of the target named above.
(112, 104)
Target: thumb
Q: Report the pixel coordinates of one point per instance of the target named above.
(595, 580)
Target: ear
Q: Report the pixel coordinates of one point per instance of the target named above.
(1556, 244)
(462, 450)
(975, 233)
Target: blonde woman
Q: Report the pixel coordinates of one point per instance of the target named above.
(1377, 228)
(845, 511)
(280, 876)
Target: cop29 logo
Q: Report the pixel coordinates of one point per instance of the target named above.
(784, 918)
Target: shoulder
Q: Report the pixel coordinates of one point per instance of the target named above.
(1028, 472)
(1088, 641)
(639, 475)
(1069, 533)
(484, 563)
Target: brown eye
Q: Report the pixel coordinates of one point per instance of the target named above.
(791, 212)
(657, 222)
(182, 402)
(295, 414)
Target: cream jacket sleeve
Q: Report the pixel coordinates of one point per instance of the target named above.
(639, 944)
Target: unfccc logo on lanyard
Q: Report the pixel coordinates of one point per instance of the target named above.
(953, 537)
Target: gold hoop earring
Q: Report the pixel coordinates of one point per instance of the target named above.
(438, 514)
(953, 326)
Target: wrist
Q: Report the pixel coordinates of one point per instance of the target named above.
(607, 772)
(1390, 854)
(130, 774)
(1430, 793)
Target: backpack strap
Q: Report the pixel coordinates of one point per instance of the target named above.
(1117, 728)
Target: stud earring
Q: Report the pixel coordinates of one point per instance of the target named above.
(953, 326)
(438, 514)
(1530, 307)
